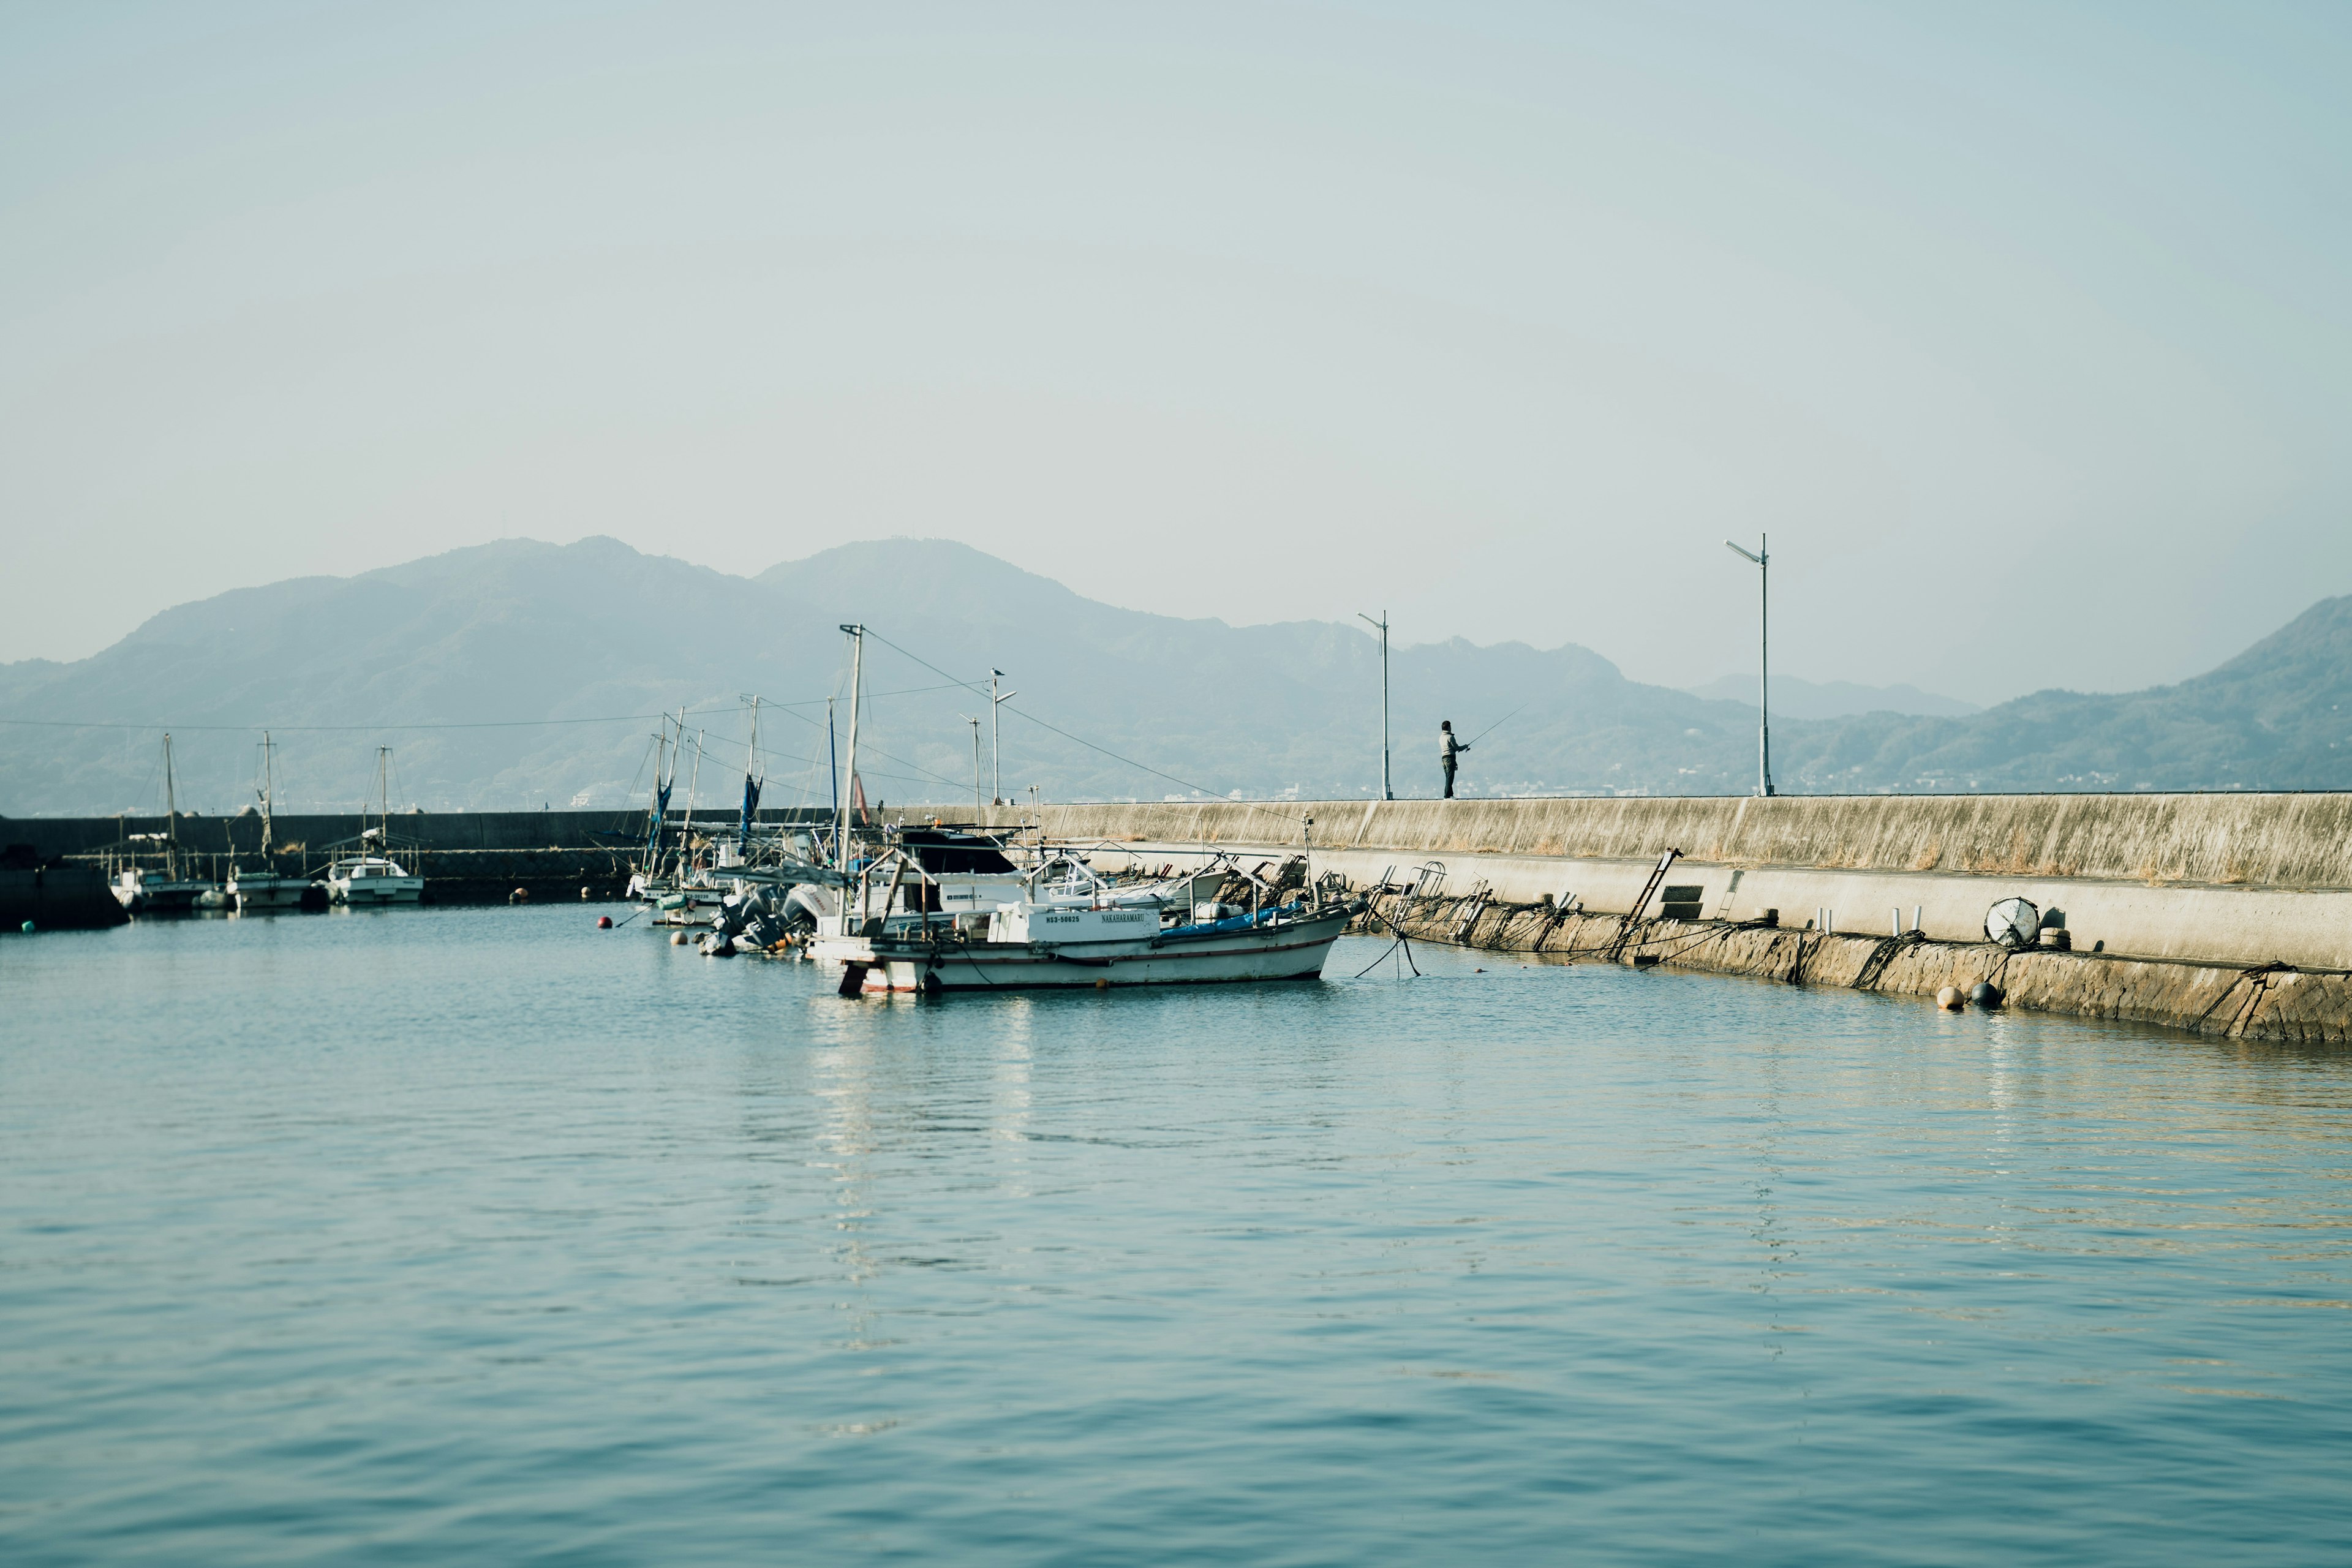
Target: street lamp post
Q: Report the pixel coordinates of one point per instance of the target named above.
(1386, 793)
(1762, 556)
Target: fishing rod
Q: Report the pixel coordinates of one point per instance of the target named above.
(1494, 726)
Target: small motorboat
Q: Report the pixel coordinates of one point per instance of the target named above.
(365, 879)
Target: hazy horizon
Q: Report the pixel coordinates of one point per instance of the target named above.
(1716, 686)
(2021, 332)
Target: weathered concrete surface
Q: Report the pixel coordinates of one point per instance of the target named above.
(2284, 841)
(2242, 1003)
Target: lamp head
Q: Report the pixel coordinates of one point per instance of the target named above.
(1752, 555)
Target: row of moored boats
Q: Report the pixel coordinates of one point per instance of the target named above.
(155, 874)
(931, 908)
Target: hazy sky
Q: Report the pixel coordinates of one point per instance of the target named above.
(2025, 329)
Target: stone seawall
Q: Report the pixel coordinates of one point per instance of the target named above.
(2251, 1002)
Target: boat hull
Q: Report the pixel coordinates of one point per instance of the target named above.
(363, 897)
(1295, 950)
(155, 896)
(267, 892)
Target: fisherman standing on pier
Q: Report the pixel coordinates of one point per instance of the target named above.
(1448, 747)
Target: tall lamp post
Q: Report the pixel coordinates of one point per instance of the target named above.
(1386, 793)
(1762, 556)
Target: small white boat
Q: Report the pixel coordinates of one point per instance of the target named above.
(365, 879)
(1033, 945)
(365, 873)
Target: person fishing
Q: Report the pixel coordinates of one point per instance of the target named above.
(1448, 749)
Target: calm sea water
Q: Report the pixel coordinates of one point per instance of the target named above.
(481, 1236)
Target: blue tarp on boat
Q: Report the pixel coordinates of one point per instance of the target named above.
(1236, 923)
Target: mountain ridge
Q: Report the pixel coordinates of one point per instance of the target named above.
(556, 656)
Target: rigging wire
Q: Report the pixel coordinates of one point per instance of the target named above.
(478, 724)
(1106, 751)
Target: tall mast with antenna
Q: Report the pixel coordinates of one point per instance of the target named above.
(996, 738)
(171, 814)
(269, 787)
(383, 799)
(751, 782)
(693, 784)
(975, 760)
(856, 680)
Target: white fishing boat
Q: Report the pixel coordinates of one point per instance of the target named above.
(259, 891)
(366, 879)
(1031, 945)
(143, 890)
(372, 877)
(173, 887)
(266, 887)
(934, 874)
(939, 877)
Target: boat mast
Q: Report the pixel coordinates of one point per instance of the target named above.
(268, 783)
(694, 783)
(857, 676)
(655, 801)
(751, 789)
(996, 737)
(383, 800)
(172, 813)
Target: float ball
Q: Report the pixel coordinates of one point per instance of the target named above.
(678, 938)
(1986, 996)
(1949, 998)
(603, 923)
(27, 927)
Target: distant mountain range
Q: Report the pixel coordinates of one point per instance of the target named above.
(518, 674)
(1795, 699)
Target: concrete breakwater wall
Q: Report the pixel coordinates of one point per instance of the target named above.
(2222, 913)
(2230, 879)
(2254, 1002)
(51, 837)
(473, 856)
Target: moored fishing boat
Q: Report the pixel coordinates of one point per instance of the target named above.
(361, 880)
(267, 887)
(172, 887)
(372, 877)
(1031, 945)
